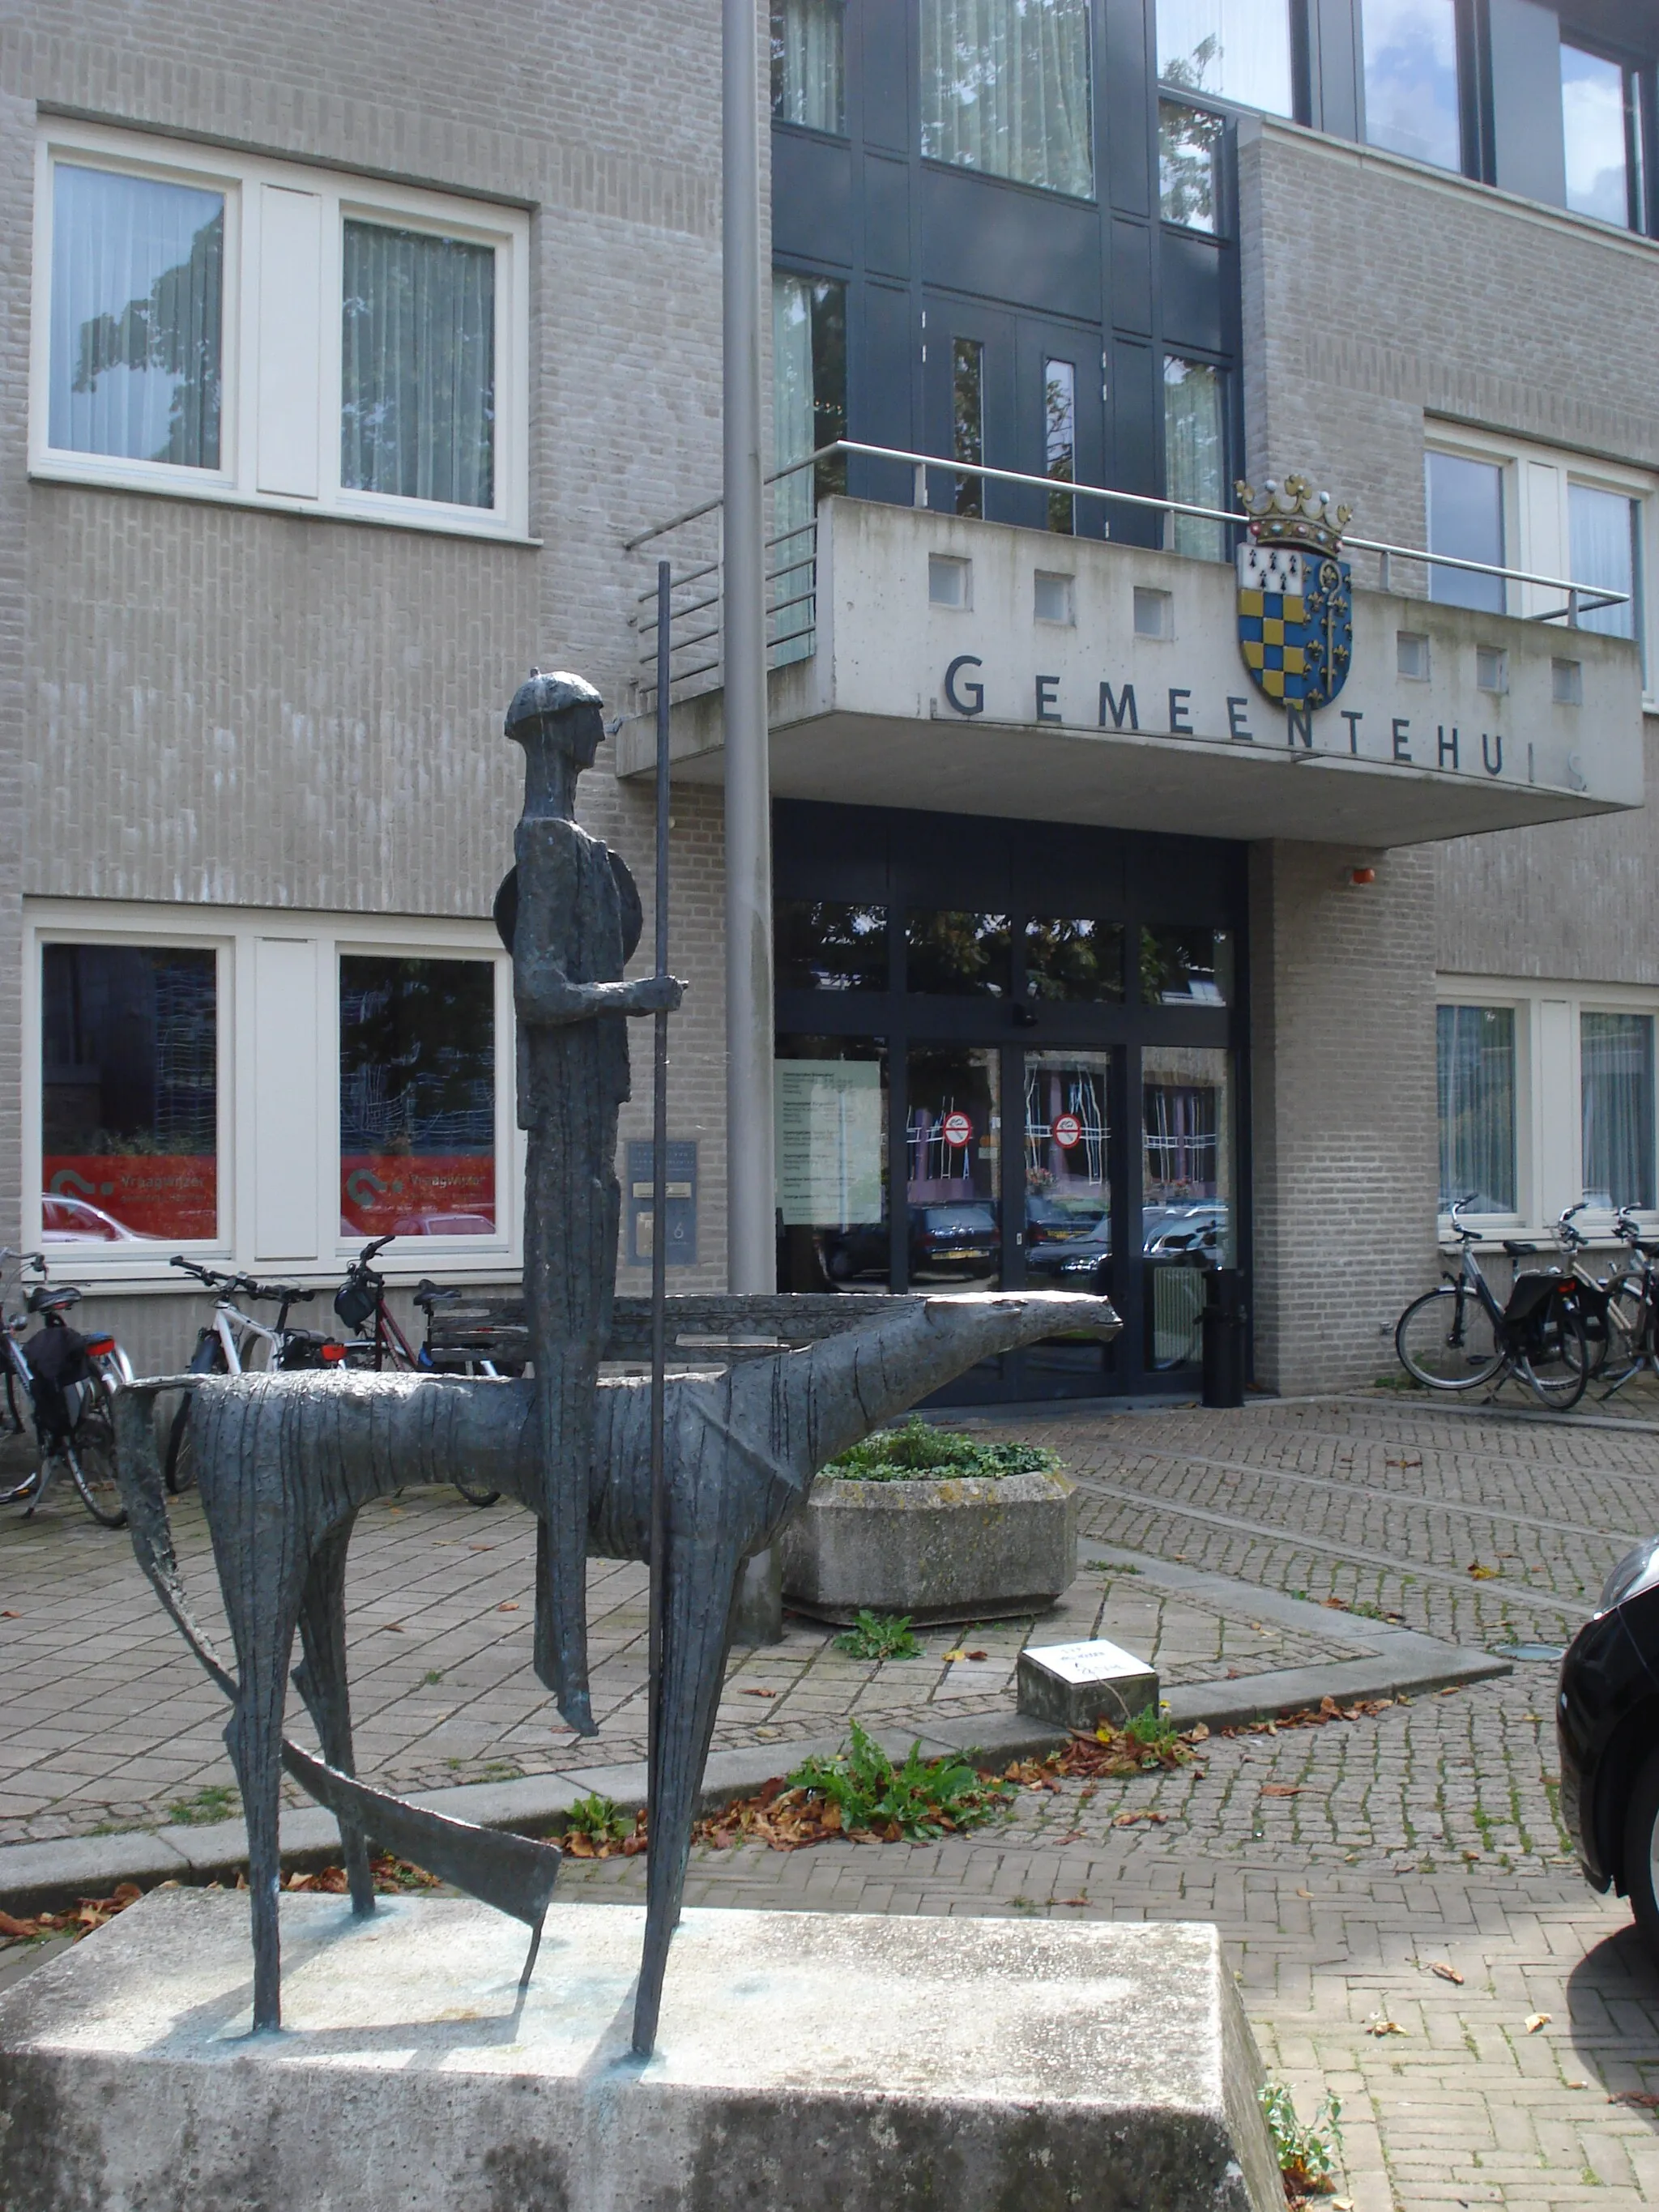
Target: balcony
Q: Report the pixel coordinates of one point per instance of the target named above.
(963, 666)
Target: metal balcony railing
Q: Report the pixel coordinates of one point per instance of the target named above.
(696, 621)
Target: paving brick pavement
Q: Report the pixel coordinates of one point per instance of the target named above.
(1426, 1832)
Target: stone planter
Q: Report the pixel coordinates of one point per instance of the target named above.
(965, 1549)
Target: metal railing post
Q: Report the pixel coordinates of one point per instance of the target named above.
(918, 495)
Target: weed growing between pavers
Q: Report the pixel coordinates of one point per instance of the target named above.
(1307, 2153)
(596, 1827)
(920, 1452)
(879, 1636)
(218, 1801)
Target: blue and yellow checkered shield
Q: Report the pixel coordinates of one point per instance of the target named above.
(1295, 623)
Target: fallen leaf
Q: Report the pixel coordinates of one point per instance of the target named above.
(1304, 1892)
(1128, 1820)
(1082, 1899)
(1479, 1574)
(10, 1615)
(978, 1655)
(510, 1606)
(1334, 1604)
(1385, 2027)
(758, 1693)
(395, 1627)
(1281, 1789)
(951, 1656)
(1198, 1734)
(1447, 1973)
(1535, 2021)
(1645, 2100)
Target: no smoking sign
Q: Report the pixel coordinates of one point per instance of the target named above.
(956, 1129)
(1068, 1131)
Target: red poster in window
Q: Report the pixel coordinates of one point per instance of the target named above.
(119, 1198)
(418, 1194)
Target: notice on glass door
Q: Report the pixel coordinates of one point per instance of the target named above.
(828, 1115)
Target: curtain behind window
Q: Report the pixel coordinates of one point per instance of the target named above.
(1616, 1061)
(1475, 1065)
(809, 84)
(417, 377)
(137, 300)
(1195, 453)
(1004, 89)
(1601, 538)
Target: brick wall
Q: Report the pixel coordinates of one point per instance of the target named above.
(206, 705)
(1342, 1107)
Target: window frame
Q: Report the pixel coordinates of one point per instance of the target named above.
(235, 934)
(1549, 1096)
(1536, 526)
(343, 196)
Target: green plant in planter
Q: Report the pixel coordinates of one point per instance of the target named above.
(918, 1452)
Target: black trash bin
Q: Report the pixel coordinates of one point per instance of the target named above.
(1225, 1321)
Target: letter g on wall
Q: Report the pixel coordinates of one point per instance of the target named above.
(974, 703)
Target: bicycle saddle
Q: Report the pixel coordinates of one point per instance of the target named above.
(51, 1297)
(428, 1294)
(1518, 1251)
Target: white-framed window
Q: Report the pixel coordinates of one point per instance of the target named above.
(224, 327)
(1552, 512)
(267, 1089)
(1547, 1098)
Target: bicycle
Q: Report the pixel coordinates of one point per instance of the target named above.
(67, 1379)
(1635, 1307)
(238, 1343)
(1457, 1337)
(361, 1298)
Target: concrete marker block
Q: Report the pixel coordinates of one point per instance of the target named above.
(1076, 1685)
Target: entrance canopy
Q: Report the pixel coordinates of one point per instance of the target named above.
(979, 668)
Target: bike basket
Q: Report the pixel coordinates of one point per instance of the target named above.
(1530, 1294)
(355, 1302)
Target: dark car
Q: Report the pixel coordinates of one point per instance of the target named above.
(954, 1237)
(1607, 1721)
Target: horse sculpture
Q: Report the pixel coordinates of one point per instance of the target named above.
(286, 1461)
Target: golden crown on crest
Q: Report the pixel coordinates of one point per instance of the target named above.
(1293, 514)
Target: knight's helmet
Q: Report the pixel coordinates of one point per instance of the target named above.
(543, 698)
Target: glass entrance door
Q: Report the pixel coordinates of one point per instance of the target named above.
(1072, 1114)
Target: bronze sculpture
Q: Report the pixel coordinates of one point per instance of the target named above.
(569, 915)
(286, 1461)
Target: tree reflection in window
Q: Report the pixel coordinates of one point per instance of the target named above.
(830, 944)
(1081, 962)
(137, 310)
(959, 955)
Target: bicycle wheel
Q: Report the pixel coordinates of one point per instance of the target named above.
(475, 1494)
(1445, 1339)
(1628, 1322)
(90, 1453)
(1556, 1359)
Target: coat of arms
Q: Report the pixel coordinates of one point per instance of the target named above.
(1295, 594)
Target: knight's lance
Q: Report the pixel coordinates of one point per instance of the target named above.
(660, 1212)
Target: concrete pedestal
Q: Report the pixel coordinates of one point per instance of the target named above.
(806, 2060)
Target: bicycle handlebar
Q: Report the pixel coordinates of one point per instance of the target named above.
(371, 1250)
(245, 1285)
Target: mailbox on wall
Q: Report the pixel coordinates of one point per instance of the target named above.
(682, 1204)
